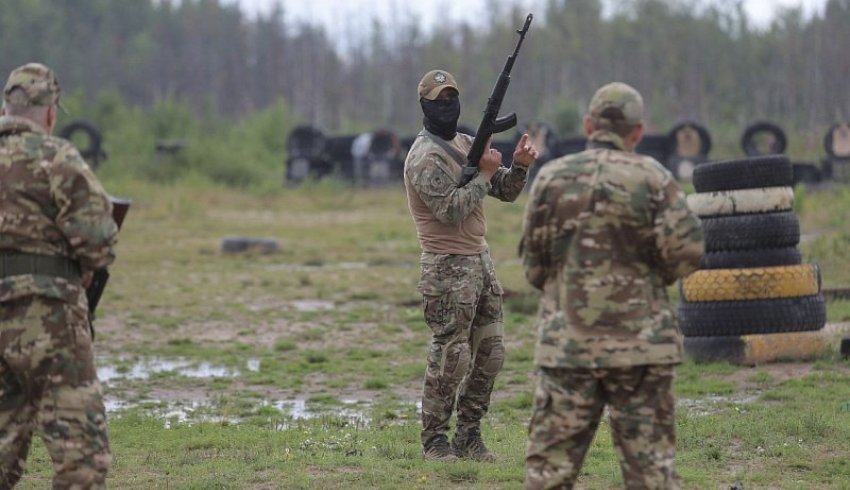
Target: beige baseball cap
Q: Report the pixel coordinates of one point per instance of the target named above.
(434, 82)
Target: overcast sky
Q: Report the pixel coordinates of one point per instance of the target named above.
(340, 15)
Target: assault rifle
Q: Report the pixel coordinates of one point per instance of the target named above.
(492, 123)
(98, 284)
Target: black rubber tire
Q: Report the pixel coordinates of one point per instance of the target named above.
(237, 244)
(716, 349)
(91, 153)
(807, 173)
(841, 171)
(704, 137)
(746, 173)
(384, 144)
(711, 319)
(751, 231)
(656, 146)
(306, 142)
(748, 142)
(743, 259)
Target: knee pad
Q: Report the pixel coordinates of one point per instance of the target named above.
(456, 360)
(491, 355)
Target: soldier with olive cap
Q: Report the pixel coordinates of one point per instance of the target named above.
(461, 296)
(56, 228)
(605, 232)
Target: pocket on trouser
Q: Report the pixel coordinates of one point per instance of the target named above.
(541, 409)
(449, 312)
(77, 323)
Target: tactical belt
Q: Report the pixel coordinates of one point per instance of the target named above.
(15, 264)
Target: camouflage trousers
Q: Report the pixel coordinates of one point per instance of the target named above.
(568, 406)
(462, 300)
(48, 385)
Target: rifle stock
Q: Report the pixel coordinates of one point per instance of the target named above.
(491, 123)
(101, 276)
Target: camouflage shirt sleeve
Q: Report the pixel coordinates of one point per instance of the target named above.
(678, 233)
(509, 183)
(437, 187)
(534, 243)
(85, 212)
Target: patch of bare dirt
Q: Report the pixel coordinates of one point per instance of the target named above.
(779, 372)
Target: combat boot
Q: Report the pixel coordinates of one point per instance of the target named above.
(437, 449)
(468, 444)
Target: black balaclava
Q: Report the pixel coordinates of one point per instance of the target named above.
(441, 116)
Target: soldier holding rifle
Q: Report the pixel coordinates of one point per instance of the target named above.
(56, 229)
(462, 298)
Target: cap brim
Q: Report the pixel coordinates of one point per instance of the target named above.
(434, 92)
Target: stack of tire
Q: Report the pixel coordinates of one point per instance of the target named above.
(307, 155)
(753, 300)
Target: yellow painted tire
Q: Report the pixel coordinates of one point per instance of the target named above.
(751, 350)
(742, 201)
(788, 281)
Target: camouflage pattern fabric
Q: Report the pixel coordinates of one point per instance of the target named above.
(37, 83)
(434, 175)
(50, 204)
(605, 232)
(462, 300)
(568, 405)
(614, 102)
(48, 384)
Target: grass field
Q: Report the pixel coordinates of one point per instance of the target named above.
(302, 369)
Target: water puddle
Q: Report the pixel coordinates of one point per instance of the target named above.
(713, 404)
(188, 408)
(282, 414)
(313, 305)
(253, 365)
(108, 372)
(146, 368)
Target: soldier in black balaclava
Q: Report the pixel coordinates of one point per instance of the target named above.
(462, 297)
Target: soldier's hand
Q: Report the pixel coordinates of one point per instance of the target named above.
(525, 153)
(490, 163)
(87, 278)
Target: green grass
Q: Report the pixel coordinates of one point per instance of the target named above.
(335, 317)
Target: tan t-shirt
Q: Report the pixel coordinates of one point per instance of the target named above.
(450, 219)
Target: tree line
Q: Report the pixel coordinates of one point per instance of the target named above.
(691, 61)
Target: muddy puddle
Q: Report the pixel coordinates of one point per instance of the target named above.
(312, 305)
(280, 414)
(190, 408)
(109, 372)
(710, 405)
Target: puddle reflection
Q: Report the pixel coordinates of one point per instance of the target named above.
(144, 369)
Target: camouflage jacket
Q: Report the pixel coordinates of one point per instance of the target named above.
(443, 211)
(50, 204)
(605, 232)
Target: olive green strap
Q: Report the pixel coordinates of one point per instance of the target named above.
(16, 264)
